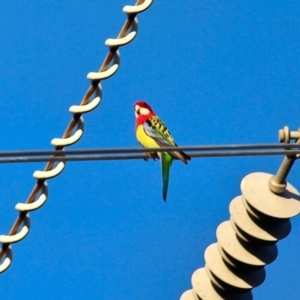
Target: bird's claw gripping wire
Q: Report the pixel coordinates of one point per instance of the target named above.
(150, 155)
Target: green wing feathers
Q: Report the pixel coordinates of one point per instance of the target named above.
(166, 162)
(160, 133)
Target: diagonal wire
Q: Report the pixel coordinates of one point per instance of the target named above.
(92, 88)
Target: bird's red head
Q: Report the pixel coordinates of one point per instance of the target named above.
(142, 108)
(143, 112)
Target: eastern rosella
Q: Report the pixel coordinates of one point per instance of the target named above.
(151, 132)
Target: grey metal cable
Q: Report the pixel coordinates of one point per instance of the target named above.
(140, 150)
(128, 156)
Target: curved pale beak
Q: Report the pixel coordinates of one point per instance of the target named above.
(137, 111)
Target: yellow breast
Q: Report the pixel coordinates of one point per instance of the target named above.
(144, 139)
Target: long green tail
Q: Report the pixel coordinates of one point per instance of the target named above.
(166, 162)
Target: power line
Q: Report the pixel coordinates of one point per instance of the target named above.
(139, 149)
(139, 153)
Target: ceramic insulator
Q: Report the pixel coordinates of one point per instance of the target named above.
(235, 264)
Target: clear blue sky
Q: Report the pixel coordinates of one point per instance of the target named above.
(216, 72)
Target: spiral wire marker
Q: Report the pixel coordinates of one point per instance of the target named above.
(39, 194)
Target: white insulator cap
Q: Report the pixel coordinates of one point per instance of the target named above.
(108, 73)
(217, 269)
(42, 175)
(9, 239)
(135, 9)
(126, 39)
(7, 260)
(37, 203)
(231, 246)
(81, 109)
(255, 190)
(62, 142)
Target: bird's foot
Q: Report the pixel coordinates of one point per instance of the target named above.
(150, 155)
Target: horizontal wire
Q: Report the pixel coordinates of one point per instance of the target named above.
(141, 156)
(142, 150)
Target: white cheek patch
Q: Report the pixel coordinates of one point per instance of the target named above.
(136, 114)
(144, 111)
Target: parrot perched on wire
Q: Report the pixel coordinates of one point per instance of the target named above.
(151, 132)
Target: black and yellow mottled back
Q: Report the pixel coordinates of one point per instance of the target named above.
(158, 131)
(161, 131)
